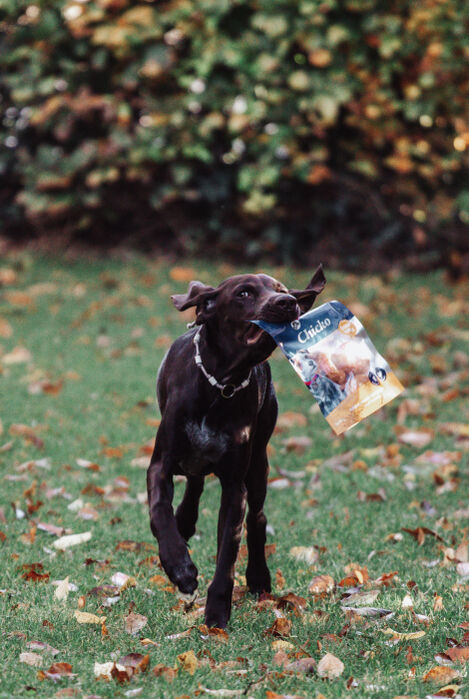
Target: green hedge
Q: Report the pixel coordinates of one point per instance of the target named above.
(256, 125)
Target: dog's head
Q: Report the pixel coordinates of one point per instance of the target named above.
(245, 297)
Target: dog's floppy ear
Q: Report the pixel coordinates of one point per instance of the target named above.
(306, 297)
(199, 295)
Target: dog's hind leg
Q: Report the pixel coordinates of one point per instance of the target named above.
(188, 510)
(257, 572)
(230, 526)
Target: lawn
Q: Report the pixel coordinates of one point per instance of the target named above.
(80, 344)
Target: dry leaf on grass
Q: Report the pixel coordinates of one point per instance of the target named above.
(189, 662)
(104, 670)
(459, 654)
(64, 542)
(369, 611)
(222, 692)
(330, 667)
(62, 589)
(134, 623)
(213, 632)
(33, 659)
(135, 661)
(280, 627)
(414, 437)
(410, 636)
(321, 585)
(303, 665)
(308, 554)
(41, 645)
(87, 618)
(56, 672)
(440, 675)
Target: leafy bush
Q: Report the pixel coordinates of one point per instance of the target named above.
(259, 126)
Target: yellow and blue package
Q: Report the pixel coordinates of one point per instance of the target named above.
(331, 351)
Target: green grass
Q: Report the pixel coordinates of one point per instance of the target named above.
(102, 329)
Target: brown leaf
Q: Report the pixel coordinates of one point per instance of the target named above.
(290, 419)
(57, 671)
(330, 667)
(182, 274)
(298, 444)
(457, 429)
(414, 437)
(213, 632)
(135, 623)
(420, 532)
(280, 627)
(291, 601)
(303, 665)
(169, 673)
(321, 585)
(460, 654)
(189, 662)
(440, 675)
(136, 661)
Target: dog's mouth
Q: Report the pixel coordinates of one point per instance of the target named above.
(253, 334)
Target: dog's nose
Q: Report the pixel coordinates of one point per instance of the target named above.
(286, 302)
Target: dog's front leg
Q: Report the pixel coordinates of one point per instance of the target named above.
(173, 552)
(230, 525)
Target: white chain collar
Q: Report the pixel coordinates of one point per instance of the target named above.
(227, 390)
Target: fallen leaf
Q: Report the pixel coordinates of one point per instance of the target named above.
(87, 618)
(362, 598)
(222, 692)
(291, 601)
(64, 542)
(414, 437)
(280, 627)
(42, 645)
(61, 591)
(290, 419)
(303, 665)
(440, 675)
(298, 444)
(33, 659)
(189, 662)
(321, 585)
(169, 673)
(136, 661)
(457, 429)
(369, 611)
(57, 671)
(19, 355)
(330, 667)
(104, 669)
(459, 654)
(409, 636)
(134, 623)
(213, 632)
(308, 554)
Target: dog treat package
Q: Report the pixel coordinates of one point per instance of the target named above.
(331, 351)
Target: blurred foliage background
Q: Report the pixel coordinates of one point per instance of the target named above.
(290, 129)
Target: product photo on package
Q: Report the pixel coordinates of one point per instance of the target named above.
(332, 353)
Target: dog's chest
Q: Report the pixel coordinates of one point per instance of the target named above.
(208, 444)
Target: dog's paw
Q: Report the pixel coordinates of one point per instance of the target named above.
(184, 576)
(258, 582)
(217, 618)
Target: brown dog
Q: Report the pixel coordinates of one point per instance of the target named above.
(218, 410)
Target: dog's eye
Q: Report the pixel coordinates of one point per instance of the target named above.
(244, 293)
